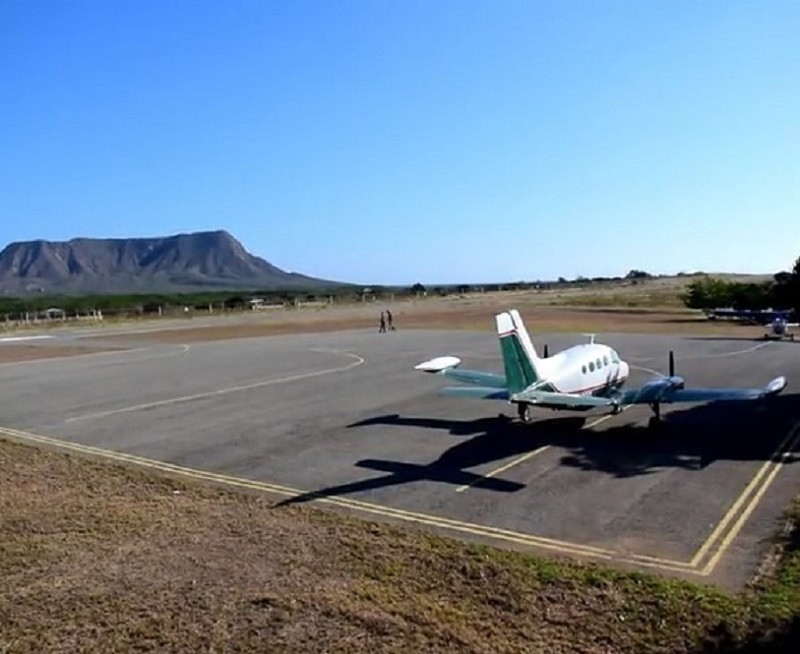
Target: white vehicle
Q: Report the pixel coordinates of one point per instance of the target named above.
(582, 377)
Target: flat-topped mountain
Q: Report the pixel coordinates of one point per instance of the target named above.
(185, 262)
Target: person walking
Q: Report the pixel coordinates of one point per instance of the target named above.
(382, 328)
(389, 320)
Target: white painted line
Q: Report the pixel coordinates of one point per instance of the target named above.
(107, 353)
(734, 353)
(221, 391)
(181, 349)
(643, 369)
(17, 339)
(720, 355)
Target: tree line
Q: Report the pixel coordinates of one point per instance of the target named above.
(781, 292)
(232, 300)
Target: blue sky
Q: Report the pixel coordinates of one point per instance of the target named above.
(400, 141)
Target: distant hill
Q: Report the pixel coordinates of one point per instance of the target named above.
(181, 263)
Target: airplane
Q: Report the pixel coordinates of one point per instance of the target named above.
(582, 377)
(753, 316)
(779, 328)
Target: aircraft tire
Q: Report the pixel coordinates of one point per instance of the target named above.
(524, 412)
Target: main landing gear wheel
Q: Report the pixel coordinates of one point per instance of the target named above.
(524, 413)
(655, 421)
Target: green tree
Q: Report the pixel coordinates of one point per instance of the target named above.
(707, 293)
(786, 289)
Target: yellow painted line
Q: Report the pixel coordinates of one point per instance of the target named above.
(722, 525)
(737, 526)
(485, 531)
(221, 391)
(503, 468)
(496, 533)
(528, 455)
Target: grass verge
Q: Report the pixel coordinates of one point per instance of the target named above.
(95, 556)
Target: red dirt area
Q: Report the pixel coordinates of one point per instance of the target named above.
(475, 316)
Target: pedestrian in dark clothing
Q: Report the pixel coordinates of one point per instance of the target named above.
(389, 320)
(382, 328)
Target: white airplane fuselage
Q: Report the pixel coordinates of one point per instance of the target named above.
(585, 369)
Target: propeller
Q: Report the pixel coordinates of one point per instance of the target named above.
(671, 364)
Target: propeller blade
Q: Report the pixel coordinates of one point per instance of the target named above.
(671, 364)
(546, 351)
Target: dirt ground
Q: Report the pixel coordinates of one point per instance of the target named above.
(475, 311)
(465, 314)
(449, 313)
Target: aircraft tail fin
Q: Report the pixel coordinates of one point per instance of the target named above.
(519, 356)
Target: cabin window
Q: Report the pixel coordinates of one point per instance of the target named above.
(605, 361)
(583, 369)
(591, 366)
(599, 363)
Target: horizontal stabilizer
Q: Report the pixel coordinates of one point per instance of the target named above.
(448, 366)
(562, 400)
(438, 364)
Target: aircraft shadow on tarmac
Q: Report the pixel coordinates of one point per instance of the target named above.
(492, 439)
(690, 438)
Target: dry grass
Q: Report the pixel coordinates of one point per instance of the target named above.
(96, 557)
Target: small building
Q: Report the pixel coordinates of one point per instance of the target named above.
(54, 313)
(256, 303)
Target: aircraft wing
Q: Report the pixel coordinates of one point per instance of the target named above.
(448, 367)
(671, 389)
